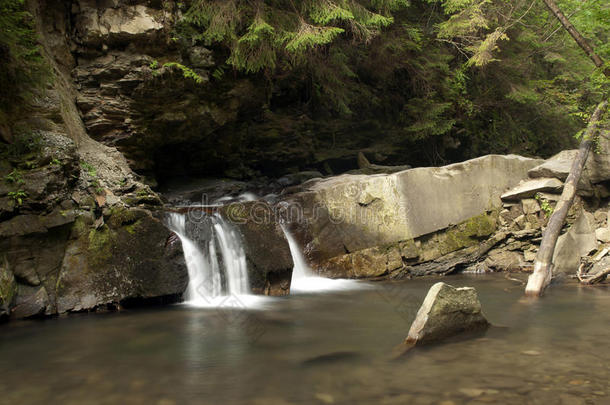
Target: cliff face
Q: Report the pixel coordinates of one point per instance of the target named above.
(78, 231)
(132, 94)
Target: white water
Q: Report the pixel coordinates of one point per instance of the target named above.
(303, 279)
(218, 274)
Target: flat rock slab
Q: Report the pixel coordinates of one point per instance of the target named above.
(529, 188)
(557, 166)
(447, 311)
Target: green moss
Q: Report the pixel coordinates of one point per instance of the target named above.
(463, 235)
(121, 215)
(133, 228)
(100, 245)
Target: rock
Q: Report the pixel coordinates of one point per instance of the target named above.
(115, 24)
(530, 206)
(30, 301)
(603, 235)
(369, 263)
(128, 258)
(366, 167)
(201, 57)
(520, 221)
(504, 260)
(557, 166)
(529, 255)
(577, 242)
(8, 288)
(529, 188)
(298, 178)
(349, 213)
(446, 311)
(266, 248)
(599, 162)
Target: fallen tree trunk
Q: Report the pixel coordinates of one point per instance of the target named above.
(543, 266)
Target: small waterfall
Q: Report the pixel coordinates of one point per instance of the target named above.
(303, 278)
(215, 258)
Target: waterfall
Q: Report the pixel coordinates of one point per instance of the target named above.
(215, 259)
(303, 278)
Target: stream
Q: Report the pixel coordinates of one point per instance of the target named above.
(330, 348)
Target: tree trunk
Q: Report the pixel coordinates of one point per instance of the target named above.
(580, 40)
(543, 266)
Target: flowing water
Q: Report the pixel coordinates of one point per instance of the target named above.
(303, 278)
(215, 259)
(333, 348)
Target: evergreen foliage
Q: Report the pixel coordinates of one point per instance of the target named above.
(22, 67)
(499, 75)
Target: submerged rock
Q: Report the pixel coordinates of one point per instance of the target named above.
(447, 311)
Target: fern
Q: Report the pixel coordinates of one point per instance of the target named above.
(187, 72)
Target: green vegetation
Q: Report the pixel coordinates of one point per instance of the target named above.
(545, 205)
(14, 177)
(18, 196)
(493, 75)
(22, 67)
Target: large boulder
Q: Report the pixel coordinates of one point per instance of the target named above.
(559, 167)
(131, 257)
(447, 311)
(350, 213)
(577, 242)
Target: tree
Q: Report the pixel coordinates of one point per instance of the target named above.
(543, 266)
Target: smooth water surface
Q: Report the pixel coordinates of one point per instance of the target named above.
(333, 348)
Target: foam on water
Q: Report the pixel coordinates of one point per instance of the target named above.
(304, 280)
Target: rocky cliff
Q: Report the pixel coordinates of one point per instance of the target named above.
(78, 230)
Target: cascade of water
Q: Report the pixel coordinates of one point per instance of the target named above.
(215, 259)
(233, 257)
(303, 278)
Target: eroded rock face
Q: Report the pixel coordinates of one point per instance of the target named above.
(446, 311)
(117, 22)
(70, 245)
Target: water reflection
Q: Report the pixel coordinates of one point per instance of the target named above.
(331, 348)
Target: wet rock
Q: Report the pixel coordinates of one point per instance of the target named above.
(446, 311)
(30, 301)
(529, 188)
(504, 260)
(266, 248)
(128, 257)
